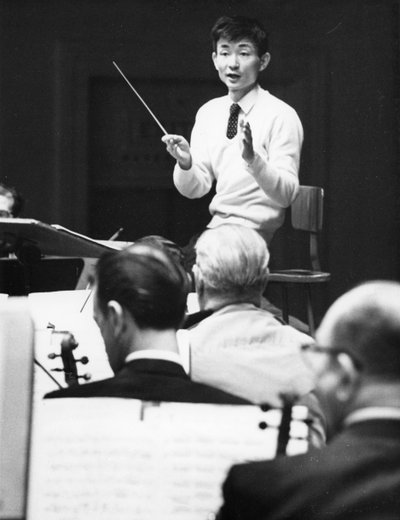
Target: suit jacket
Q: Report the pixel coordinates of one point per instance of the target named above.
(244, 350)
(151, 380)
(357, 476)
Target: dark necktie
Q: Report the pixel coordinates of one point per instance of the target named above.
(231, 131)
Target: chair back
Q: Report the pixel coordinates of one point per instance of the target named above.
(307, 209)
(307, 215)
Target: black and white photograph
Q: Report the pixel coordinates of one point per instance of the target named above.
(199, 260)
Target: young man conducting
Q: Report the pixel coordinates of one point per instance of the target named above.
(248, 142)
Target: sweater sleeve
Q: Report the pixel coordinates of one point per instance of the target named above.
(197, 181)
(275, 167)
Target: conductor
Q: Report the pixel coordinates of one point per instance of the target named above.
(248, 141)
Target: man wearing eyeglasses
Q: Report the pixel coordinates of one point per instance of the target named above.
(356, 362)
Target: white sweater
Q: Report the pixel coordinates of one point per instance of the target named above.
(255, 194)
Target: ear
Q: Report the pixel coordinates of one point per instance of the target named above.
(266, 280)
(264, 61)
(214, 58)
(348, 378)
(115, 317)
(199, 286)
(197, 278)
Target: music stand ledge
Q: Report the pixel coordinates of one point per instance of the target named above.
(47, 257)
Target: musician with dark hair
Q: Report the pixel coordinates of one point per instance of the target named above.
(139, 303)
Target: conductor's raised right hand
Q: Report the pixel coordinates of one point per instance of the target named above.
(179, 148)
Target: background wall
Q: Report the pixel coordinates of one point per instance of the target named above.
(75, 141)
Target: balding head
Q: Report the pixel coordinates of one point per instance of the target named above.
(231, 264)
(366, 320)
(357, 356)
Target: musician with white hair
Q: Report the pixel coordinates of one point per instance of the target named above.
(241, 347)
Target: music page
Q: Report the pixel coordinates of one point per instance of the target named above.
(112, 458)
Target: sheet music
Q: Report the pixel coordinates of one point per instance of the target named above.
(108, 243)
(118, 459)
(61, 309)
(53, 240)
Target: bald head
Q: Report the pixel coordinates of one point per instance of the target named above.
(366, 321)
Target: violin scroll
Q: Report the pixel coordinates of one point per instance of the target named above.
(68, 344)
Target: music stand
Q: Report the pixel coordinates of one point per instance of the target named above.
(48, 257)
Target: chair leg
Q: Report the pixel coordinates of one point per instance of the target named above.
(285, 304)
(310, 313)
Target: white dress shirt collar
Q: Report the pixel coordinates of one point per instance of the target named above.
(165, 355)
(247, 102)
(372, 412)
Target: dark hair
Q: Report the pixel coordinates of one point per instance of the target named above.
(147, 282)
(18, 201)
(165, 244)
(234, 28)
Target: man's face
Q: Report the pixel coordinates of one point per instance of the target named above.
(327, 392)
(332, 384)
(6, 204)
(238, 65)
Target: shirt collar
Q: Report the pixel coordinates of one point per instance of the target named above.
(165, 355)
(372, 412)
(247, 102)
(242, 306)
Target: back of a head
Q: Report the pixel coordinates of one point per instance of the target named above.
(235, 28)
(165, 244)
(16, 200)
(147, 282)
(366, 321)
(232, 260)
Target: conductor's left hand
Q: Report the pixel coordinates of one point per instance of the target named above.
(246, 142)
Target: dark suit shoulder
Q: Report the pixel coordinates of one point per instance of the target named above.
(271, 489)
(101, 388)
(151, 380)
(342, 481)
(198, 392)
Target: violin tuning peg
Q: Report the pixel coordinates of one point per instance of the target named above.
(86, 377)
(53, 355)
(84, 360)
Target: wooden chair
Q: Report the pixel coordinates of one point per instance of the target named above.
(307, 216)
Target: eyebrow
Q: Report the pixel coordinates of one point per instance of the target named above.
(243, 44)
